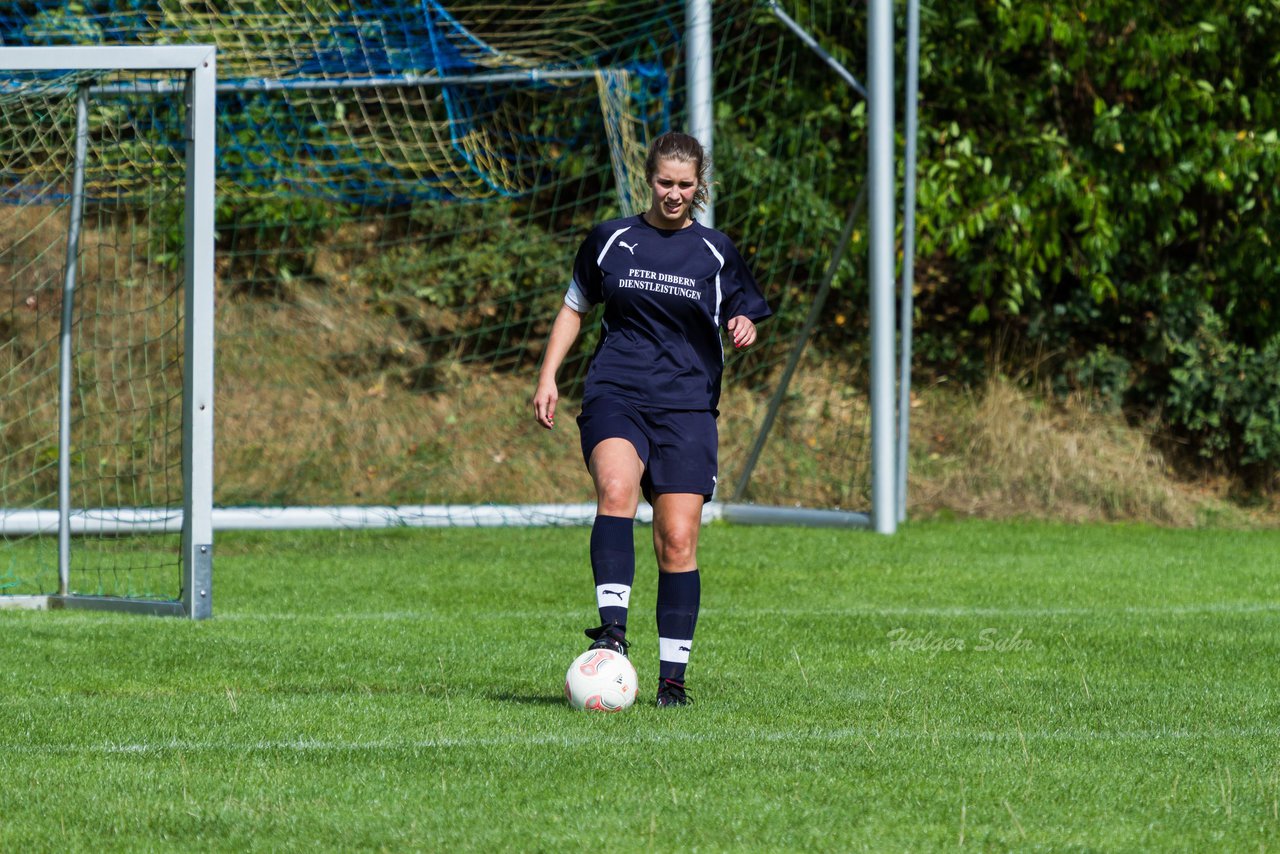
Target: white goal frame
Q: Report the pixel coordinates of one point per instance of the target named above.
(195, 600)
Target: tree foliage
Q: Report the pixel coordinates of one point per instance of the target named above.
(1098, 187)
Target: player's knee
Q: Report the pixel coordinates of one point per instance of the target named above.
(677, 547)
(617, 495)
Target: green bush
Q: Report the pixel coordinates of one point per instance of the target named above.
(470, 279)
(1099, 189)
(1226, 395)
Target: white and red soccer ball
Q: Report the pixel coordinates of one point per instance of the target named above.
(601, 680)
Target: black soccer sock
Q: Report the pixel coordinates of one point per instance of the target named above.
(678, 597)
(613, 563)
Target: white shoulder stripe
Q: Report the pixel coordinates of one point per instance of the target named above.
(715, 311)
(615, 236)
(712, 247)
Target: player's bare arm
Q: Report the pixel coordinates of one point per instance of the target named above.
(564, 331)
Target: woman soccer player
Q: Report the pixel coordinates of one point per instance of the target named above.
(648, 422)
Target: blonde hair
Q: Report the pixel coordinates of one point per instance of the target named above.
(680, 146)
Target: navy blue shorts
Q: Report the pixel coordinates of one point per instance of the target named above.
(678, 447)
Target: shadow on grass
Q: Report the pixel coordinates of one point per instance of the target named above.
(528, 699)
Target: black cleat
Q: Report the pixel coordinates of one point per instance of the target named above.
(609, 636)
(672, 693)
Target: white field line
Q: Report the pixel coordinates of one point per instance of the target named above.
(1189, 609)
(857, 735)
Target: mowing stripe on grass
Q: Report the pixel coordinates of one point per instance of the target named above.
(306, 746)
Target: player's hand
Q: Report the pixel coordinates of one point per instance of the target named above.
(742, 330)
(544, 403)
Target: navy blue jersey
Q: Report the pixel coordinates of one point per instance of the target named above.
(667, 295)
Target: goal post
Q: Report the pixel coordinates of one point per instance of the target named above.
(107, 318)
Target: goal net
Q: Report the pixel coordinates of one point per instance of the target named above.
(401, 188)
(105, 379)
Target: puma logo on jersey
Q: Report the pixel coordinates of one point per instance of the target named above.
(630, 247)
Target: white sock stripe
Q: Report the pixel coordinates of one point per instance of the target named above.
(613, 595)
(674, 650)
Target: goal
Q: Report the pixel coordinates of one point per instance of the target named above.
(401, 187)
(106, 328)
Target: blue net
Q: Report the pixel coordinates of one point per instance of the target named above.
(382, 102)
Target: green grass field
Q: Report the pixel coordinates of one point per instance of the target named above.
(959, 685)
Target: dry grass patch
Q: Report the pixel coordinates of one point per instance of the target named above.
(1002, 453)
(324, 412)
(302, 429)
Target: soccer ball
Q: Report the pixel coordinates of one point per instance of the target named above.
(601, 680)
